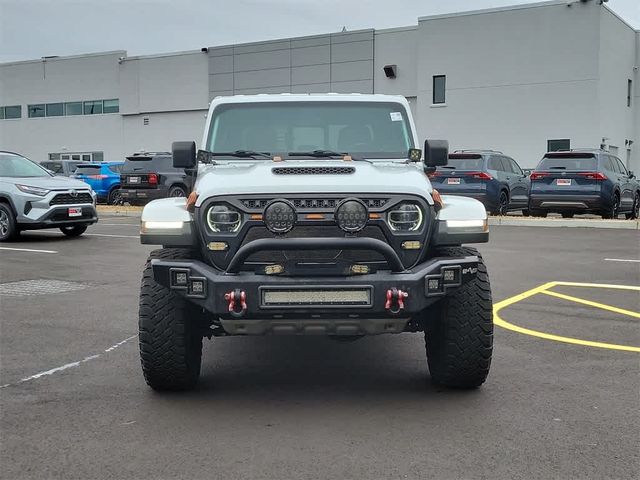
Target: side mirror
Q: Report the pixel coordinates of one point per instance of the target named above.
(436, 154)
(631, 174)
(184, 154)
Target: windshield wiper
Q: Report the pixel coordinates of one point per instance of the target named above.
(327, 154)
(557, 168)
(241, 154)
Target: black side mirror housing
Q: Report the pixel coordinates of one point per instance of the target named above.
(436, 154)
(184, 154)
(631, 174)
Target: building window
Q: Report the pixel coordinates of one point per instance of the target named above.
(629, 90)
(111, 106)
(13, 111)
(93, 107)
(439, 84)
(557, 145)
(73, 108)
(55, 109)
(36, 111)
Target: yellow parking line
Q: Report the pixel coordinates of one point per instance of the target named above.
(499, 321)
(598, 285)
(592, 304)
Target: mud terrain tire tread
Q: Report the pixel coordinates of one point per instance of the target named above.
(459, 338)
(170, 340)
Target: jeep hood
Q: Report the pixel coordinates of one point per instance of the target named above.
(251, 177)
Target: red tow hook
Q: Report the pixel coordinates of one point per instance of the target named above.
(395, 301)
(237, 302)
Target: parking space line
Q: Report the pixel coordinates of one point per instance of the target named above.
(602, 306)
(499, 321)
(69, 365)
(34, 250)
(110, 235)
(631, 260)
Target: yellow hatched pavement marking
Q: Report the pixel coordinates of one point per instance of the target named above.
(498, 320)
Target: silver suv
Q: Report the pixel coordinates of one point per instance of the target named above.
(31, 198)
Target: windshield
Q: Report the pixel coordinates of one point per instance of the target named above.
(568, 162)
(373, 130)
(465, 163)
(12, 165)
(88, 170)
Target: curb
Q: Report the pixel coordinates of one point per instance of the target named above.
(136, 212)
(565, 222)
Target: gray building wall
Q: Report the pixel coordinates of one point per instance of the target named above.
(338, 62)
(515, 78)
(617, 57)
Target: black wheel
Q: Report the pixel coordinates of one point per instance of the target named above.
(503, 204)
(170, 332)
(74, 230)
(459, 336)
(567, 214)
(525, 212)
(8, 228)
(538, 213)
(635, 209)
(115, 197)
(613, 210)
(177, 191)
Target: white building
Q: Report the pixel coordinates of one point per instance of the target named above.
(522, 79)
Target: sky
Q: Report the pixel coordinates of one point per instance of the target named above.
(31, 29)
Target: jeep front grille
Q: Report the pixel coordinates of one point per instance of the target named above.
(311, 203)
(68, 199)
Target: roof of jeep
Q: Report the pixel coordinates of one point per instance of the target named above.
(310, 97)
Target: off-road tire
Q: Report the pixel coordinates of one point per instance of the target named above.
(170, 333)
(74, 230)
(459, 336)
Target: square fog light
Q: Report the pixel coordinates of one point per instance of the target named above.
(434, 285)
(198, 287)
(179, 278)
(451, 275)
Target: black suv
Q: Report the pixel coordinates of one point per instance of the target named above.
(150, 175)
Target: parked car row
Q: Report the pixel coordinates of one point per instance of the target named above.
(564, 182)
(140, 178)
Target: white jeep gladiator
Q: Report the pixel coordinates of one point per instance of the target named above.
(313, 215)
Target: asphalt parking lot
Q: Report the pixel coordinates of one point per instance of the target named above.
(561, 400)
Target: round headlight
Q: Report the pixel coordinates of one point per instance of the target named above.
(351, 215)
(279, 216)
(223, 219)
(406, 217)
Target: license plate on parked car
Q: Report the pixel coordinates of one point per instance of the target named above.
(563, 181)
(453, 181)
(134, 179)
(75, 212)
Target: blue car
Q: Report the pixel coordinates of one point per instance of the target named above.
(486, 175)
(583, 181)
(104, 179)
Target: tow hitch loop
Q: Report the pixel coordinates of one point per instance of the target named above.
(237, 302)
(395, 301)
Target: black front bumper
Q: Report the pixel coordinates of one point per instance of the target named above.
(211, 289)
